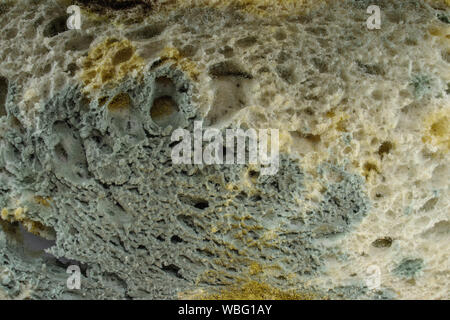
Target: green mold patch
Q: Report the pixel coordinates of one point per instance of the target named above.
(409, 268)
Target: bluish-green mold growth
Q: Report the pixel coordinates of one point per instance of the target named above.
(409, 268)
(142, 226)
(421, 85)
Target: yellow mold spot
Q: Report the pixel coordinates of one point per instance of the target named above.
(254, 290)
(437, 130)
(339, 120)
(172, 54)
(255, 268)
(441, 33)
(109, 62)
(34, 227)
(330, 114)
(42, 201)
(4, 213)
(19, 214)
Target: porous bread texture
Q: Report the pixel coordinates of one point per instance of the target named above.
(364, 110)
